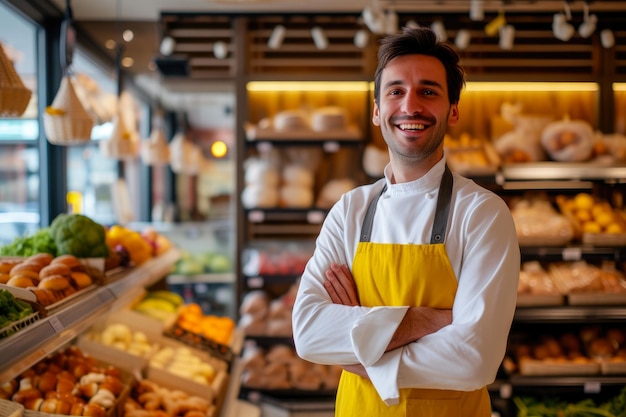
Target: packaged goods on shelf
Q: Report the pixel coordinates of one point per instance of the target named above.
(536, 287)
(471, 156)
(595, 221)
(538, 223)
(591, 350)
(70, 379)
(277, 369)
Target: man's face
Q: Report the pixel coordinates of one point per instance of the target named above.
(413, 111)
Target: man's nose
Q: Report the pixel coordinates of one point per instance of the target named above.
(412, 104)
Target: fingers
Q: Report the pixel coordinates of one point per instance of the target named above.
(340, 285)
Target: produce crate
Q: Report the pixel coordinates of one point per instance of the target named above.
(11, 409)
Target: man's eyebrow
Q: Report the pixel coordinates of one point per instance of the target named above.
(431, 83)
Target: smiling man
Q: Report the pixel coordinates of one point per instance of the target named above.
(413, 282)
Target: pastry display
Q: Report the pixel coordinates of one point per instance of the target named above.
(538, 223)
(47, 278)
(291, 120)
(568, 140)
(68, 383)
(329, 118)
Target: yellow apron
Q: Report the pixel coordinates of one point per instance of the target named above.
(407, 275)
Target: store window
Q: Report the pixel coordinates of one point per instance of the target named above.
(19, 155)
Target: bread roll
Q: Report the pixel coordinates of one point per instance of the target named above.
(26, 269)
(40, 258)
(20, 281)
(80, 279)
(54, 269)
(68, 260)
(54, 283)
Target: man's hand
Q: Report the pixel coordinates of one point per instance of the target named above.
(340, 285)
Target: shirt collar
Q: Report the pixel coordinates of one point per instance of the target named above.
(427, 183)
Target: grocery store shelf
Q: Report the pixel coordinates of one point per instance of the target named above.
(209, 278)
(531, 171)
(308, 215)
(21, 350)
(573, 252)
(587, 383)
(564, 314)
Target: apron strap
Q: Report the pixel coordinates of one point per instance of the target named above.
(441, 213)
(366, 227)
(443, 208)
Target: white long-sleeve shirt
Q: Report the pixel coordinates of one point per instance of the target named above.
(482, 246)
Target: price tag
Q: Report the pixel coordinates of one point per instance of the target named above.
(315, 217)
(256, 216)
(572, 254)
(592, 387)
(506, 390)
(56, 324)
(255, 282)
(331, 146)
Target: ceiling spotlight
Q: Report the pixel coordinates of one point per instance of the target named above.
(462, 39)
(440, 30)
(319, 38)
(220, 50)
(588, 26)
(476, 12)
(507, 37)
(607, 38)
(361, 38)
(167, 46)
(374, 19)
(128, 62)
(277, 37)
(128, 35)
(561, 29)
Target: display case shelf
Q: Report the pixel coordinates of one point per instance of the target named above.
(569, 171)
(21, 350)
(572, 314)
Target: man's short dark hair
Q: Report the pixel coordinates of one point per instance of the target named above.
(423, 41)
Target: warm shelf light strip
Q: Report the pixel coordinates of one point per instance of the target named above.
(531, 86)
(619, 86)
(471, 86)
(309, 86)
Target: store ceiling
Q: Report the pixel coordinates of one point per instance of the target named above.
(104, 20)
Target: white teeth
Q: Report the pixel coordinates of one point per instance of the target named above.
(412, 126)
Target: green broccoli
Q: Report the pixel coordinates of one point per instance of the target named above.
(79, 235)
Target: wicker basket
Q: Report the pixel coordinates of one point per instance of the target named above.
(14, 96)
(67, 122)
(10, 409)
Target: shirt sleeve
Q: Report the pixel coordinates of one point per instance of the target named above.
(466, 355)
(329, 333)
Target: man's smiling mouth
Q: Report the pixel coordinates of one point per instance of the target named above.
(411, 126)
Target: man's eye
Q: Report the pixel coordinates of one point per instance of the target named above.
(430, 93)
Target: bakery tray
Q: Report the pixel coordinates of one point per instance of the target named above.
(544, 368)
(200, 342)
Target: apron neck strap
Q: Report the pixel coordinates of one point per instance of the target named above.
(441, 213)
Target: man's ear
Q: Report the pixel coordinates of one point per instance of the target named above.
(453, 116)
(376, 115)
